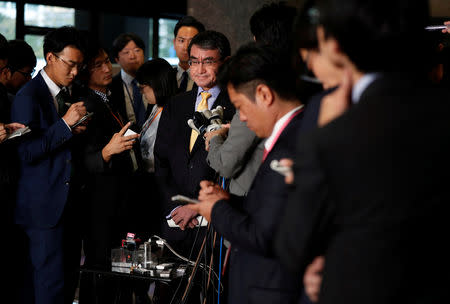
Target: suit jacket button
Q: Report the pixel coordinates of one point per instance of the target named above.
(67, 183)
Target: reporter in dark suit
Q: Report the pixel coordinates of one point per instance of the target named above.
(46, 198)
(178, 168)
(108, 166)
(370, 192)
(261, 85)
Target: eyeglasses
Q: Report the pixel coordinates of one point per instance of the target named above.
(26, 75)
(99, 64)
(72, 65)
(207, 62)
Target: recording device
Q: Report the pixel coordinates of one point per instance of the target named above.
(131, 242)
(88, 114)
(206, 120)
(129, 132)
(184, 199)
(202, 222)
(283, 170)
(437, 27)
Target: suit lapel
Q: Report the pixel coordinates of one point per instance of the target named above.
(189, 112)
(46, 100)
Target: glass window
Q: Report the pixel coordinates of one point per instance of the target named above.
(48, 16)
(166, 49)
(150, 38)
(8, 19)
(37, 42)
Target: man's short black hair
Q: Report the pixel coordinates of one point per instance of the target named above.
(254, 64)
(21, 55)
(211, 40)
(123, 39)
(376, 35)
(161, 77)
(93, 50)
(58, 39)
(272, 24)
(188, 21)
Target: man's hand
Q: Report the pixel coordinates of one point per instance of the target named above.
(289, 177)
(119, 143)
(335, 104)
(184, 217)
(210, 190)
(312, 279)
(6, 129)
(223, 131)
(210, 193)
(74, 113)
(447, 30)
(3, 132)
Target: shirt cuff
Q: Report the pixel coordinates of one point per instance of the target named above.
(67, 124)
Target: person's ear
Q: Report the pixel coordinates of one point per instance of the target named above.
(264, 95)
(49, 57)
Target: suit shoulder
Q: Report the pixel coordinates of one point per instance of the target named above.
(32, 88)
(181, 98)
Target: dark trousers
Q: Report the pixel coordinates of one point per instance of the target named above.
(52, 264)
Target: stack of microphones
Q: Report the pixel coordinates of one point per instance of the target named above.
(206, 120)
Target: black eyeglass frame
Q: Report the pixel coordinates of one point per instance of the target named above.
(79, 66)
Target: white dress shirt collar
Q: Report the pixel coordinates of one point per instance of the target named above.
(362, 84)
(270, 140)
(52, 86)
(127, 78)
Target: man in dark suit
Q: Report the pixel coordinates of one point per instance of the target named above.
(180, 157)
(46, 204)
(108, 166)
(369, 192)
(129, 52)
(264, 93)
(184, 31)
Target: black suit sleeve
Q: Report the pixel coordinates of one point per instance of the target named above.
(162, 150)
(307, 216)
(252, 229)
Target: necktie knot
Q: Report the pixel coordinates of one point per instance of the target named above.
(203, 105)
